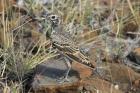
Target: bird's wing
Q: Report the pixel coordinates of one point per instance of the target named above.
(69, 48)
(65, 43)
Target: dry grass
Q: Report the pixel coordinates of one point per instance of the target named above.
(16, 61)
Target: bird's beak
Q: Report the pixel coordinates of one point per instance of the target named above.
(42, 18)
(39, 18)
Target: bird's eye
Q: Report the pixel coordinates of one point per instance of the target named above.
(53, 17)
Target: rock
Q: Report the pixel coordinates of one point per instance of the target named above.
(130, 29)
(120, 74)
(136, 85)
(136, 53)
(97, 85)
(82, 70)
(47, 75)
(134, 56)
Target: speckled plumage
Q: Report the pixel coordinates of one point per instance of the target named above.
(66, 44)
(63, 41)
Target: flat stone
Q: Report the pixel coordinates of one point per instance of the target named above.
(82, 70)
(134, 57)
(136, 53)
(49, 72)
(119, 74)
(136, 85)
(97, 85)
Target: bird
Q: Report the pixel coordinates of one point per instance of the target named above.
(66, 45)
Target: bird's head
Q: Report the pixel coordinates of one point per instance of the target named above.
(53, 19)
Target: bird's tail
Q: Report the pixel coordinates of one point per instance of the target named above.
(80, 58)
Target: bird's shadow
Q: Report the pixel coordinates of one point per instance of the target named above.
(54, 73)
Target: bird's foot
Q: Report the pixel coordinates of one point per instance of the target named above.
(63, 79)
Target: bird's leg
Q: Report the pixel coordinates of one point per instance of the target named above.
(69, 67)
(99, 68)
(65, 78)
(51, 48)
